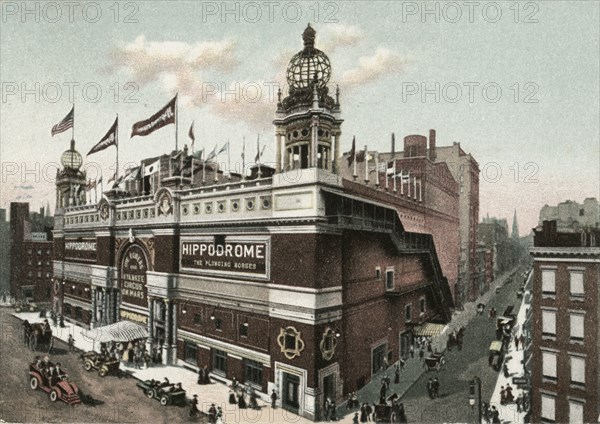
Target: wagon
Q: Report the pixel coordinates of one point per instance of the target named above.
(37, 336)
(392, 412)
(167, 394)
(95, 361)
(57, 388)
(434, 361)
(496, 355)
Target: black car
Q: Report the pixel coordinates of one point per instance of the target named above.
(166, 393)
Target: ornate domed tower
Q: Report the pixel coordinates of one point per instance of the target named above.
(70, 181)
(307, 126)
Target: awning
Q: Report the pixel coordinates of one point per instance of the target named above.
(496, 345)
(122, 331)
(429, 329)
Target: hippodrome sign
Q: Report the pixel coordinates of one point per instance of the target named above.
(81, 249)
(243, 257)
(132, 279)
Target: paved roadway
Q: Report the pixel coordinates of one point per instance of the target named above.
(110, 399)
(461, 366)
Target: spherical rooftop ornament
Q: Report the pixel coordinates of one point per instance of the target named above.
(71, 159)
(309, 66)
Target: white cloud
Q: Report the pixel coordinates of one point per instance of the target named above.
(339, 35)
(383, 62)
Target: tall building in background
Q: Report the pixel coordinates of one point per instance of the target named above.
(566, 330)
(30, 254)
(4, 253)
(515, 228)
(570, 214)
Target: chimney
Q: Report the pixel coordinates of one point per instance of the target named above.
(432, 153)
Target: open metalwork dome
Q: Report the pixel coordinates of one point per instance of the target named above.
(71, 158)
(309, 66)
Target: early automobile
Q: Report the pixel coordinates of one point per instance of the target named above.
(434, 361)
(167, 393)
(496, 355)
(391, 412)
(57, 386)
(95, 361)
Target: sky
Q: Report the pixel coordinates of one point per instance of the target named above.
(516, 83)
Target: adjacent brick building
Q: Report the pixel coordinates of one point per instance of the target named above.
(565, 324)
(30, 254)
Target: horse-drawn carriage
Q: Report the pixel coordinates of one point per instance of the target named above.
(95, 361)
(37, 336)
(434, 361)
(505, 323)
(496, 355)
(391, 412)
(455, 339)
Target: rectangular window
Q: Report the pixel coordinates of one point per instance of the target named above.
(78, 313)
(389, 280)
(547, 413)
(219, 361)
(218, 324)
(549, 323)
(575, 412)
(244, 329)
(290, 342)
(576, 284)
(377, 358)
(422, 305)
(577, 370)
(549, 365)
(197, 319)
(378, 273)
(191, 353)
(548, 282)
(408, 313)
(254, 372)
(576, 323)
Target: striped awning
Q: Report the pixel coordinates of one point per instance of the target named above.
(122, 331)
(429, 329)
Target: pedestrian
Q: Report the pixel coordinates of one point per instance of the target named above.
(516, 343)
(274, 398)
(382, 390)
(333, 412)
(522, 341)
(51, 346)
(206, 375)
(371, 412)
(429, 349)
(363, 413)
(242, 401)
(421, 354)
(495, 415)
(200, 375)
(327, 409)
(212, 414)
(402, 364)
(194, 412)
(397, 374)
(430, 388)
(71, 343)
(219, 415)
(502, 395)
(436, 387)
(386, 364)
(232, 399)
(519, 402)
(509, 395)
(355, 418)
(412, 351)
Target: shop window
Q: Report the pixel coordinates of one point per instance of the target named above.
(78, 314)
(253, 372)
(67, 309)
(191, 353)
(219, 361)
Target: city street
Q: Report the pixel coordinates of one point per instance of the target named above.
(461, 366)
(108, 399)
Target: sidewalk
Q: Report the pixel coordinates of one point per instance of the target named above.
(508, 413)
(216, 393)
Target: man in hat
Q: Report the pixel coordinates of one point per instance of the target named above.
(274, 398)
(194, 412)
(212, 414)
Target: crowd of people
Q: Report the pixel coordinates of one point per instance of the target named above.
(133, 353)
(53, 372)
(238, 393)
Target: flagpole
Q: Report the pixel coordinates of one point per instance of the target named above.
(395, 176)
(244, 159)
(228, 160)
(217, 166)
(95, 192)
(354, 174)
(176, 123)
(258, 146)
(73, 126)
(117, 146)
(377, 169)
(387, 184)
(366, 165)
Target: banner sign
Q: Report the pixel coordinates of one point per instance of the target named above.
(242, 257)
(132, 278)
(81, 250)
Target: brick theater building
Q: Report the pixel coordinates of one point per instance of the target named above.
(293, 278)
(565, 324)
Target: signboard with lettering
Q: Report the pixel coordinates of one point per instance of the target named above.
(244, 258)
(520, 381)
(81, 249)
(132, 278)
(133, 316)
(39, 237)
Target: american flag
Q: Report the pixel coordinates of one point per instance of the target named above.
(65, 124)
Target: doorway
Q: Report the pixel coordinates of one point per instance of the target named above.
(291, 392)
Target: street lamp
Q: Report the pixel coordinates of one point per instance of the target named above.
(475, 398)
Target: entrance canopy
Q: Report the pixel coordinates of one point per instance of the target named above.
(122, 331)
(429, 329)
